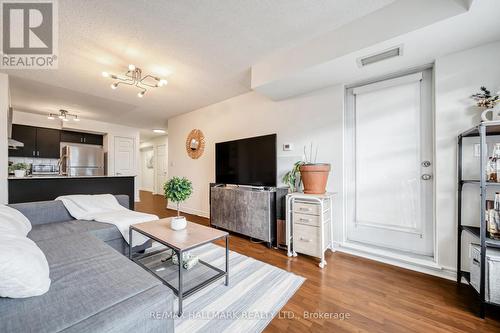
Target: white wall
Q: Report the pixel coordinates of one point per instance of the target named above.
(4, 147)
(110, 130)
(316, 117)
(457, 77)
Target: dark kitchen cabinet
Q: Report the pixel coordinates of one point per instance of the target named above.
(48, 142)
(71, 137)
(26, 135)
(92, 139)
(38, 142)
(77, 137)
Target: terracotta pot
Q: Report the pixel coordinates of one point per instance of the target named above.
(314, 177)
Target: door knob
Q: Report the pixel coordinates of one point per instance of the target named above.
(426, 177)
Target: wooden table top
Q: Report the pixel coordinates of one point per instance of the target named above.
(192, 236)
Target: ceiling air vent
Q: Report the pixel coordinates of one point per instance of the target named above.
(391, 53)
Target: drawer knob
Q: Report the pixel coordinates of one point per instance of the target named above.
(304, 239)
(305, 220)
(304, 209)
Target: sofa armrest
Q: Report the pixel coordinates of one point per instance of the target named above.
(123, 200)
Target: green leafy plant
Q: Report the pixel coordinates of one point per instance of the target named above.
(292, 177)
(178, 190)
(18, 166)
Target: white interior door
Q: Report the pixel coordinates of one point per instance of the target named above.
(147, 169)
(162, 167)
(390, 196)
(125, 156)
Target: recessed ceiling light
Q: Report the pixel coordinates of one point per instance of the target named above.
(141, 94)
(114, 85)
(105, 74)
(131, 67)
(159, 131)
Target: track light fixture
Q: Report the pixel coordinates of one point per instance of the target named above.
(133, 77)
(64, 115)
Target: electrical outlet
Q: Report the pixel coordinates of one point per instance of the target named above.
(477, 150)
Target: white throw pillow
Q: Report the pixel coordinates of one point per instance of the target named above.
(24, 270)
(13, 222)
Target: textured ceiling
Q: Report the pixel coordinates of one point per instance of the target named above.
(204, 48)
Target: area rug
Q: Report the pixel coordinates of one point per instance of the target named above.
(256, 293)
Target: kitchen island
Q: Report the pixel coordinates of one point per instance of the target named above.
(41, 188)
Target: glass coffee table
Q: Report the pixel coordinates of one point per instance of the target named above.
(183, 282)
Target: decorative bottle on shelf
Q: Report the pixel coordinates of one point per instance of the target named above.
(496, 162)
(490, 211)
(491, 170)
(493, 223)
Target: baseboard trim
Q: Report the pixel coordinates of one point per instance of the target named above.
(188, 210)
(431, 268)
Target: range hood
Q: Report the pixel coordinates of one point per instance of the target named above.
(13, 144)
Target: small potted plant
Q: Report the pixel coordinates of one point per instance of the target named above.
(178, 190)
(484, 99)
(19, 169)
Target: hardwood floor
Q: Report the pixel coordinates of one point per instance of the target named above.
(377, 297)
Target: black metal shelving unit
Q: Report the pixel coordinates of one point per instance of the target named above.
(482, 131)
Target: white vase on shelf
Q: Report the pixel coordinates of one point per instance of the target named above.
(495, 114)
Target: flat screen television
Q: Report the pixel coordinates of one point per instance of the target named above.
(249, 161)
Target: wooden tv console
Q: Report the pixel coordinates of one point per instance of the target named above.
(245, 210)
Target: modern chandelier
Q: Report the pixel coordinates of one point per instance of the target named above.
(133, 77)
(64, 115)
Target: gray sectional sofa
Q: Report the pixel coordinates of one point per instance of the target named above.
(95, 287)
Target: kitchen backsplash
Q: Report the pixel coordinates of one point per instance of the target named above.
(34, 161)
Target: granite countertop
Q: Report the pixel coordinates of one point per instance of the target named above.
(67, 177)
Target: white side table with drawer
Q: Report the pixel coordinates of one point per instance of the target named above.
(309, 228)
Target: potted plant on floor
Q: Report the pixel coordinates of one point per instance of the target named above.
(178, 190)
(313, 176)
(19, 169)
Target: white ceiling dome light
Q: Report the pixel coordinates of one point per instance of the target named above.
(159, 131)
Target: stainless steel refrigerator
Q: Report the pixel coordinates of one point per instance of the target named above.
(82, 161)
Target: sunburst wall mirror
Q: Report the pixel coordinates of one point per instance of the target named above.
(195, 144)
